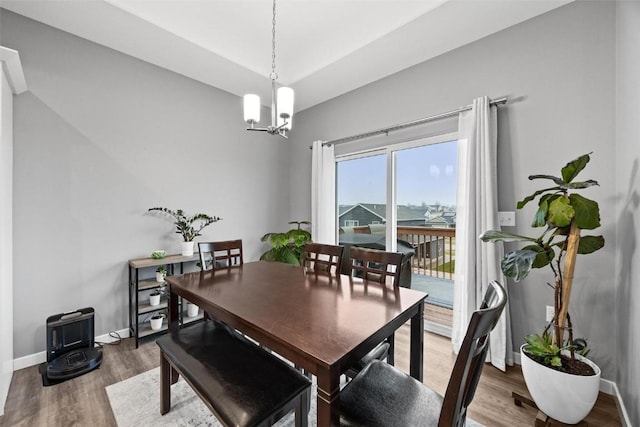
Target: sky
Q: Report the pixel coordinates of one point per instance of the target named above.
(425, 175)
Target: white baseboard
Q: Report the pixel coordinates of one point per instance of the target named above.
(37, 358)
(606, 386)
(622, 410)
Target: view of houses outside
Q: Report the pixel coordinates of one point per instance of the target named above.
(426, 211)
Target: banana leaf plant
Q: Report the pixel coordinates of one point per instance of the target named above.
(562, 214)
(287, 247)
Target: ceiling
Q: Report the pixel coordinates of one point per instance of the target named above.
(324, 48)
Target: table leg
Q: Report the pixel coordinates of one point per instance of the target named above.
(165, 385)
(327, 401)
(173, 321)
(417, 344)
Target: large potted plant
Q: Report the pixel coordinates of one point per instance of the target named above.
(287, 247)
(562, 382)
(189, 227)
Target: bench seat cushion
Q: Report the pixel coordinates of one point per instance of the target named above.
(242, 383)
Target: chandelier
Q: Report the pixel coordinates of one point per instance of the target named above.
(281, 100)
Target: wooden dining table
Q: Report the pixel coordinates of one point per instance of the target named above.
(321, 323)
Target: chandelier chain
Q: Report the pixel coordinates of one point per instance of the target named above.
(274, 75)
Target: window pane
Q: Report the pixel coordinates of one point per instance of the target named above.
(361, 193)
(426, 198)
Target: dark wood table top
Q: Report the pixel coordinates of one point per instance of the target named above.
(321, 323)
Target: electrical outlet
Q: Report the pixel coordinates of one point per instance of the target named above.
(549, 314)
(507, 219)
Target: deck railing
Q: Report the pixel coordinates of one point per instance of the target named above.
(435, 249)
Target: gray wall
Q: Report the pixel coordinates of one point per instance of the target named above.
(99, 138)
(559, 72)
(628, 202)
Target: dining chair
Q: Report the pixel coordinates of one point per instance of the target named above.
(221, 254)
(375, 265)
(381, 395)
(226, 253)
(322, 258)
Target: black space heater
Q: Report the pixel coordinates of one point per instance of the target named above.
(71, 349)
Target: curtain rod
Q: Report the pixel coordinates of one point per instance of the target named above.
(416, 122)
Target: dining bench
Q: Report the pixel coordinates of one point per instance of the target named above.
(241, 383)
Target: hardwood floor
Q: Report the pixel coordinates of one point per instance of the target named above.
(83, 401)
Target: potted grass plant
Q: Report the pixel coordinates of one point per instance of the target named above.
(563, 383)
(189, 227)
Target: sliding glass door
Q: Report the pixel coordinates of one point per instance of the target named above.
(403, 198)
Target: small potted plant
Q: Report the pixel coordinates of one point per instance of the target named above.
(192, 309)
(161, 273)
(156, 321)
(554, 371)
(154, 297)
(189, 227)
(287, 247)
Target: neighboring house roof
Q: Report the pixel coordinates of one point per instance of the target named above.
(405, 213)
(448, 218)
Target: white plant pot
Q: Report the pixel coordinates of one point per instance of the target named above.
(187, 248)
(192, 310)
(159, 277)
(154, 300)
(156, 324)
(564, 397)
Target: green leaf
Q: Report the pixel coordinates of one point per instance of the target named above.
(560, 212)
(518, 264)
(555, 361)
(540, 218)
(590, 244)
(502, 236)
(527, 199)
(555, 179)
(587, 212)
(573, 168)
(543, 257)
(580, 185)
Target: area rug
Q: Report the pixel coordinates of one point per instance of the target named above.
(135, 402)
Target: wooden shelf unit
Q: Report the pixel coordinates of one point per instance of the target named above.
(142, 282)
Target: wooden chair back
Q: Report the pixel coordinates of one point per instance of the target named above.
(470, 360)
(226, 253)
(372, 264)
(322, 258)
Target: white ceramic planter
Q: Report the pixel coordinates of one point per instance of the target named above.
(187, 248)
(159, 277)
(154, 300)
(564, 397)
(156, 324)
(192, 310)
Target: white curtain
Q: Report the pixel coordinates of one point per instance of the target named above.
(323, 193)
(477, 263)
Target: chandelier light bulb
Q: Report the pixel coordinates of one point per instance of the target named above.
(285, 104)
(251, 108)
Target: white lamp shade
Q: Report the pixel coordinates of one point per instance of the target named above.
(251, 108)
(289, 122)
(285, 102)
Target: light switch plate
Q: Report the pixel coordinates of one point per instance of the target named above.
(549, 312)
(507, 219)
